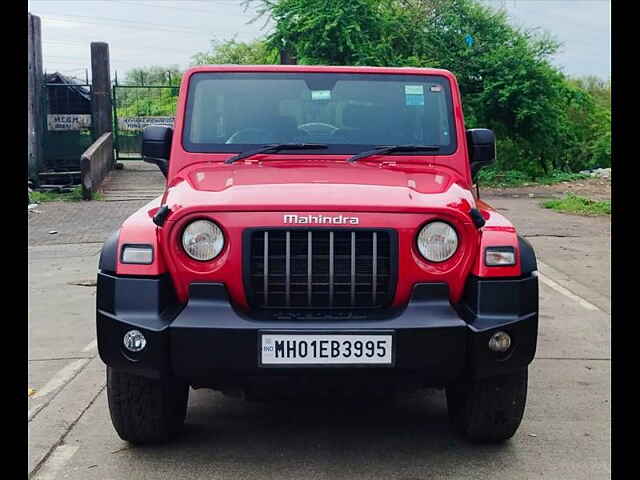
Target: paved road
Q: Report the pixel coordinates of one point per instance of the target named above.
(565, 433)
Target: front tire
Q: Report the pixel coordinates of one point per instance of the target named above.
(488, 410)
(145, 410)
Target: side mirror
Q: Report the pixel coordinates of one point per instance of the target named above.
(482, 148)
(156, 146)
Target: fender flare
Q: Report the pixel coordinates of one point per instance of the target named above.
(109, 253)
(528, 262)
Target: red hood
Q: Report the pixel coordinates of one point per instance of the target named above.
(317, 186)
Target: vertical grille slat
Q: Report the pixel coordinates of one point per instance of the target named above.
(265, 260)
(309, 267)
(320, 269)
(353, 268)
(331, 265)
(374, 267)
(287, 267)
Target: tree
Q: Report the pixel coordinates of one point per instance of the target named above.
(232, 52)
(505, 76)
(153, 75)
(592, 123)
(153, 101)
(600, 89)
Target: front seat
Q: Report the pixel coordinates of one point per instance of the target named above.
(364, 124)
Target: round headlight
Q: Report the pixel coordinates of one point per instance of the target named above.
(437, 241)
(202, 240)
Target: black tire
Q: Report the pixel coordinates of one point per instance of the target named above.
(145, 410)
(488, 410)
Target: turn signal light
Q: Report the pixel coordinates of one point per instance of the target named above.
(140, 254)
(499, 256)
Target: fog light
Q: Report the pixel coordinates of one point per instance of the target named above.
(134, 341)
(500, 342)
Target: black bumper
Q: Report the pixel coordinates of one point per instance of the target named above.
(209, 343)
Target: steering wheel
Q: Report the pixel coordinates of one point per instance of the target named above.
(250, 135)
(318, 128)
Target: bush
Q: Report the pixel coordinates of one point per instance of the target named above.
(502, 178)
(579, 205)
(494, 177)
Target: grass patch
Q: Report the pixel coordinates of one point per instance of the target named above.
(578, 205)
(515, 178)
(74, 195)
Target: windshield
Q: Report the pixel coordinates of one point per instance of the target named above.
(236, 112)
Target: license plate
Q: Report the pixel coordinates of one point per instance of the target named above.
(326, 349)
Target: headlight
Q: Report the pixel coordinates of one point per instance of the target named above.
(202, 240)
(437, 241)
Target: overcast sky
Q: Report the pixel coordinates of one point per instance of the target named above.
(169, 32)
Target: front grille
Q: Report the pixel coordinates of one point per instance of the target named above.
(320, 268)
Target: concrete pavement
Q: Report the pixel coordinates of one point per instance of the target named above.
(565, 434)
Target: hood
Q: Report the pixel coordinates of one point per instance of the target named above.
(318, 186)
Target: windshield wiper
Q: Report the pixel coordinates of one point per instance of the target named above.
(393, 148)
(276, 147)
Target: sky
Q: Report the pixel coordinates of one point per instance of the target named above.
(169, 32)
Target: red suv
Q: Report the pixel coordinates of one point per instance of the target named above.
(319, 232)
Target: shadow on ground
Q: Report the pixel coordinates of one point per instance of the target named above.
(335, 437)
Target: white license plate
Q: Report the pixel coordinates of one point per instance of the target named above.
(326, 349)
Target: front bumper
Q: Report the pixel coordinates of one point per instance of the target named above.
(209, 343)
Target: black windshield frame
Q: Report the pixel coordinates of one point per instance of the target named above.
(333, 148)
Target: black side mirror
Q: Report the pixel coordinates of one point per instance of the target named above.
(482, 148)
(156, 146)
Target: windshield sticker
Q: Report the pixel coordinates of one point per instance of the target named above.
(320, 94)
(414, 90)
(414, 100)
(436, 88)
(414, 95)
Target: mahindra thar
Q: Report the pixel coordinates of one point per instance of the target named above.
(319, 232)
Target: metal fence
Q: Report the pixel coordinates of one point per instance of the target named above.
(135, 107)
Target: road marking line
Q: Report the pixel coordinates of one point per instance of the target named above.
(58, 458)
(91, 346)
(559, 288)
(62, 377)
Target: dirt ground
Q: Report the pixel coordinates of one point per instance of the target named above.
(592, 188)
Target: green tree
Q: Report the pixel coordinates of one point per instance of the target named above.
(599, 88)
(594, 122)
(153, 75)
(134, 101)
(232, 52)
(542, 119)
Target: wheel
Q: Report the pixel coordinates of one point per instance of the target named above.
(488, 410)
(145, 410)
